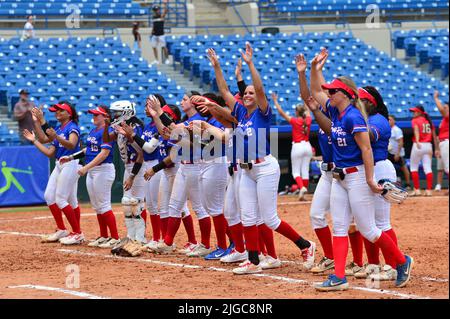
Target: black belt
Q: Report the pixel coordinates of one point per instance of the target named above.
(339, 173)
(327, 167)
(232, 168)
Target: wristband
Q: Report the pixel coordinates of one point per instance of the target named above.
(136, 168)
(139, 140)
(45, 127)
(160, 166)
(165, 119)
(78, 155)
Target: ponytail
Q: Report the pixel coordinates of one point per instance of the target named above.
(380, 107)
(356, 102)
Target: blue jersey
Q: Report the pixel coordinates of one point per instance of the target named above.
(64, 132)
(381, 130)
(131, 152)
(94, 145)
(163, 148)
(252, 133)
(195, 150)
(346, 153)
(210, 152)
(149, 132)
(325, 143)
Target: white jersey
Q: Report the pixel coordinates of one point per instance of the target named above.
(396, 134)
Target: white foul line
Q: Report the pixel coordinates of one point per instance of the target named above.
(274, 277)
(44, 217)
(64, 291)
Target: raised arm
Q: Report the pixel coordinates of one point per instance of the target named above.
(441, 108)
(222, 114)
(317, 78)
(279, 109)
(263, 104)
(221, 83)
(240, 80)
(38, 123)
(301, 65)
(321, 119)
(165, 9)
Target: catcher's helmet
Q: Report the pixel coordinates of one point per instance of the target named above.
(122, 111)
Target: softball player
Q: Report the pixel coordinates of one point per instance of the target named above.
(301, 152)
(100, 177)
(443, 132)
(258, 186)
(134, 183)
(422, 149)
(63, 181)
(353, 184)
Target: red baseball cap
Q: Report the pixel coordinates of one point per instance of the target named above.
(62, 106)
(99, 111)
(338, 84)
(416, 109)
(364, 95)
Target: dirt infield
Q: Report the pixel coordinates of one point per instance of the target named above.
(29, 269)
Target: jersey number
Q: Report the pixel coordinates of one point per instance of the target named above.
(94, 148)
(341, 142)
(426, 128)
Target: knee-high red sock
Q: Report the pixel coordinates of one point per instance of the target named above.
(388, 258)
(70, 215)
(251, 238)
(267, 235)
(237, 235)
(172, 227)
(144, 215)
(415, 179)
(110, 221)
(261, 244)
(205, 231)
(306, 182)
(156, 226)
(324, 235)
(228, 232)
(356, 242)
(164, 222)
(189, 227)
(77, 212)
(430, 181)
(340, 250)
(372, 252)
(57, 216)
(287, 231)
(391, 233)
(392, 255)
(103, 227)
(299, 182)
(220, 227)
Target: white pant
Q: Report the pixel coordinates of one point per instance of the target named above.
(138, 189)
(383, 170)
(187, 185)
(301, 155)
(320, 205)
(63, 184)
(152, 188)
(156, 40)
(443, 147)
(352, 197)
(232, 210)
(165, 190)
(425, 155)
(213, 182)
(258, 193)
(99, 181)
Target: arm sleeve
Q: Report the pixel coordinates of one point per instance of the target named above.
(355, 123)
(242, 86)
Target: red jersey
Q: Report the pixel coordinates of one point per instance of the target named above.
(425, 130)
(298, 129)
(443, 129)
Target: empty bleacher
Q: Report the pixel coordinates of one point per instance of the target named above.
(401, 85)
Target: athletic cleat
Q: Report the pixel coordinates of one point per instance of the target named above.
(270, 263)
(428, 193)
(98, 241)
(415, 192)
(187, 248)
(367, 270)
(301, 194)
(247, 268)
(352, 268)
(234, 257)
(387, 273)
(72, 239)
(56, 236)
(150, 246)
(333, 283)
(404, 272)
(323, 265)
(308, 255)
(110, 243)
(200, 251)
(163, 248)
(438, 187)
(216, 254)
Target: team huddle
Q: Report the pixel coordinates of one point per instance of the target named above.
(218, 157)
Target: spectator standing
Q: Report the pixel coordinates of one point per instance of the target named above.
(22, 113)
(28, 29)
(137, 36)
(397, 151)
(158, 37)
